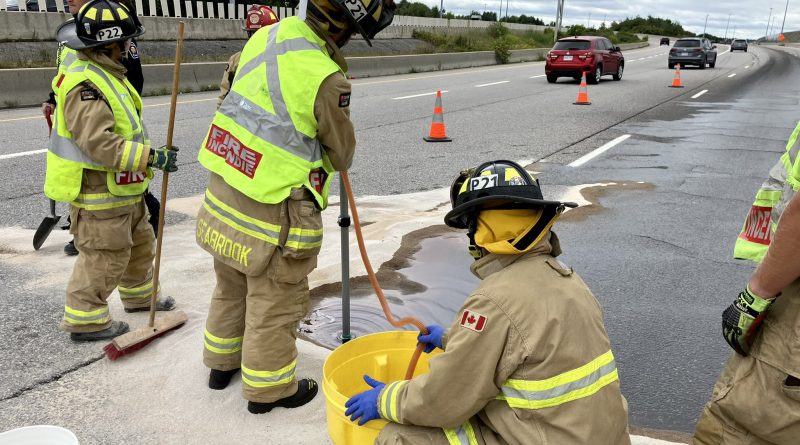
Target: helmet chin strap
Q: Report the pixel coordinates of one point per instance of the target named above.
(475, 250)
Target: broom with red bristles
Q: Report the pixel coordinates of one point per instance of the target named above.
(135, 340)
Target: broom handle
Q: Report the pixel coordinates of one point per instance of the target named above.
(176, 78)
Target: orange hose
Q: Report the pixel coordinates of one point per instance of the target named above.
(374, 281)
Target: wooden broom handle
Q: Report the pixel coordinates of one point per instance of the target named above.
(173, 103)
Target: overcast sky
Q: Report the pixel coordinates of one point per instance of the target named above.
(749, 17)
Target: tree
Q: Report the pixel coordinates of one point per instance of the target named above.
(489, 16)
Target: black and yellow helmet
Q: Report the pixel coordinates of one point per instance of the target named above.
(99, 23)
(367, 17)
(502, 207)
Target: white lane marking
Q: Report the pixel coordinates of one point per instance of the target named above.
(180, 102)
(726, 52)
(597, 152)
(22, 153)
(536, 77)
(731, 75)
(747, 67)
(417, 95)
(699, 94)
(493, 83)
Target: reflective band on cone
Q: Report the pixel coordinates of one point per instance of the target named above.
(437, 132)
(583, 92)
(676, 82)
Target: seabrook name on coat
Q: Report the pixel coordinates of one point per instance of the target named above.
(221, 244)
(225, 145)
(757, 226)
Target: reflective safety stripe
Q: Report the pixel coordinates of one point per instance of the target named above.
(144, 291)
(131, 156)
(134, 122)
(240, 222)
(222, 345)
(277, 128)
(67, 149)
(97, 316)
(266, 379)
(304, 238)
(563, 388)
(103, 201)
(463, 435)
(387, 403)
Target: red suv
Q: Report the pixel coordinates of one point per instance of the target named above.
(571, 56)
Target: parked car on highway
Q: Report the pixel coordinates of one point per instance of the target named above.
(33, 5)
(664, 41)
(739, 44)
(693, 51)
(572, 56)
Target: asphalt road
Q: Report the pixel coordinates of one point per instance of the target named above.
(655, 249)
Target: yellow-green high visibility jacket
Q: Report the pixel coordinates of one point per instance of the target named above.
(263, 139)
(66, 161)
(773, 197)
(64, 58)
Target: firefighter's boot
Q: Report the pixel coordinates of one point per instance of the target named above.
(116, 329)
(306, 390)
(220, 379)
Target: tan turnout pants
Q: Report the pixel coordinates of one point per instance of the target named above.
(116, 249)
(252, 324)
(750, 405)
(396, 434)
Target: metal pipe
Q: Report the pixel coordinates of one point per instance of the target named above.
(344, 223)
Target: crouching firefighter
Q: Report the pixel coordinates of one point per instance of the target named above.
(526, 360)
(99, 161)
(272, 149)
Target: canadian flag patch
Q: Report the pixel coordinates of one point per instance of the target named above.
(473, 320)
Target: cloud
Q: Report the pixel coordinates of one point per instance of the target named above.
(747, 17)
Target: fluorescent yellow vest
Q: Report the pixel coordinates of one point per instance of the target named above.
(66, 161)
(64, 58)
(262, 140)
(773, 197)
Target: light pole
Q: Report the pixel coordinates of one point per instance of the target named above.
(784, 15)
(704, 26)
(441, 7)
(766, 33)
(559, 18)
(589, 20)
(724, 39)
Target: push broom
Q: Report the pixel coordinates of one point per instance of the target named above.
(135, 340)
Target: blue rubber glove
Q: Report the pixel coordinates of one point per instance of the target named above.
(365, 404)
(164, 158)
(433, 339)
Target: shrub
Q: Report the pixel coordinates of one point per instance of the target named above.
(497, 30)
(502, 49)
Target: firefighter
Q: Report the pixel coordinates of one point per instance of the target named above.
(527, 359)
(272, 149)
(133, 72)
(756, 399)
(99, 161)
(259, 16)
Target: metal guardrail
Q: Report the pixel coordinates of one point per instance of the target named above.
(233, 9)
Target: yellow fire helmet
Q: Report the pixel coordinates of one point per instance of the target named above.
(501, 206)
(345, 17)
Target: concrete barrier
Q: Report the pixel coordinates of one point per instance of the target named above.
(29, 86)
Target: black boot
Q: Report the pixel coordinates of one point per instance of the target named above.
(306, 390)
(70, 248)
(116, 329)
(163, 304)
(220, 379)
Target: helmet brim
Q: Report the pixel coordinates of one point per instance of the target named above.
(67, 34)
(457, 218)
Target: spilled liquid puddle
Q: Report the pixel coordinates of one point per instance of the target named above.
(427, 278)
(431, 287)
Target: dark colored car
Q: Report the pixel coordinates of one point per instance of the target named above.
(739, 44)
(572, 56)
(693, 51)
(664, 41)
(33, 5)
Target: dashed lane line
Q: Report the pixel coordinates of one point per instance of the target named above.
(536, 77)
(732, 75)
(180, 102)
(699, 94)
(22, 153)
(417, 95)
(597, 152)
(492, 83)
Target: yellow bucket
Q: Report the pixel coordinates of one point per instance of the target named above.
(383, 356)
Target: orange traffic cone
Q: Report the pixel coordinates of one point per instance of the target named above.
(676, 82)
(437, 133)
(583, 93)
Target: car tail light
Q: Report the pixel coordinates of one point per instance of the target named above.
(586, 56)
(698, 50)
(673, 51)
(552, 56)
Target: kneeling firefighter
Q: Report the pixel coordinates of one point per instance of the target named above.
(99, 161)
(271, 151)
(527, 359)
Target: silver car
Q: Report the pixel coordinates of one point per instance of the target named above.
(693, 51)
(739, 45)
